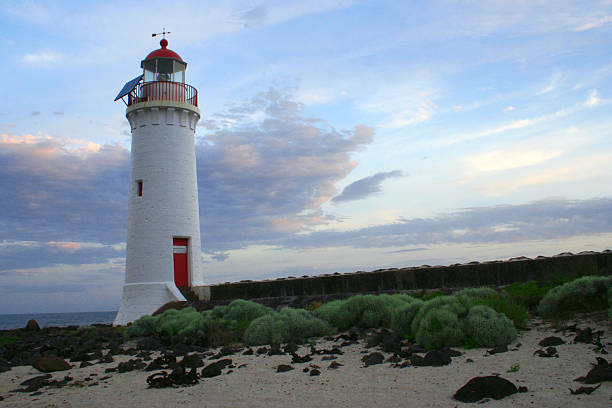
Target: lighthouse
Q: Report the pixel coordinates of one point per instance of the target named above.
(163, 256)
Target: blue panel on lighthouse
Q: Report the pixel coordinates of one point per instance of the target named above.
(128, 87)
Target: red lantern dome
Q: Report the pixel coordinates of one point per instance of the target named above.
(163, 52)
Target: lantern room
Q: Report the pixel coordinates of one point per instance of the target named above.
(162, 79)
(163, 65)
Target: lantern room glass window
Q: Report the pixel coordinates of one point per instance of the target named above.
(164, 69)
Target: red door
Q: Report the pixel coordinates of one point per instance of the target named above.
(181, 262)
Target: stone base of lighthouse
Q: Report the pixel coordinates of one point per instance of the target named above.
(141, 299)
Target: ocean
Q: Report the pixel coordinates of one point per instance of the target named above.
(15, 321)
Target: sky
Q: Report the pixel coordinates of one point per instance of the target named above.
(336, 136)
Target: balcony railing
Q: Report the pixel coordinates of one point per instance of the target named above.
(163, 91)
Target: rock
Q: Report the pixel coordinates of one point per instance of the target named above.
(393, 359)
(551, 341)
(159, 380)
(334, 365)
(314, 372)
(283, 368)
(32, 325)
(275, 350)
(434, 358)
(192, 361)
(85, 364)
(497, 350)
(131, 365)
(587, 335)
(149, 343)
(602, 371)
(328, 358)
(180, 376)
(391, 344)
(485, 387)
(291, 348)
(373, 359)
(49, 364)
(453, 353)
(296, 359)
(584, 390)
(550, 352)
(214, 369)
(248, 352)
(262, 350)
(180, 349)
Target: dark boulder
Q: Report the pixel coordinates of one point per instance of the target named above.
(498, 349)
(283, 368)
(551, 341)
(334, 365)
(131, 365)
(192, 361)
(485, 387)
(602, 371)
(549, 352)
(434, 358)
(32, 325)
(373, 359)
(314, 372)
(149, 344)
(584, 390)
(49, 364)
(296, 359)
(214, 369)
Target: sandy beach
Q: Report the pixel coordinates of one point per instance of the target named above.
(253, 381)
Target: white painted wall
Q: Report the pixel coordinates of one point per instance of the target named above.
(163, 157)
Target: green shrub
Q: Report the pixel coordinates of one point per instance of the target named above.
(585, 294)
(509, 307)
(143, 327)
(284, 326)
(482, 292)
(488, 328)
(362, 310)
(184, 322)
(401, 318)
(245, 310)
(440, 327)
(457, 305)
(528, 293)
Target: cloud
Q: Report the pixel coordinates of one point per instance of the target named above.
(264, 171)
(553, 84)
(593, 23)
(365, 187)
(594, 100)
(540, 220)
(43, 58)
(499, 160)
(266, 168)
(27, 255)
(509, 108)
(62, 190)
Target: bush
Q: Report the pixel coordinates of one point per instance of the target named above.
(488, 328)
(527, 293)
(457, 305)
(509, 307)
(585, 294)
(481, 293)
(401, 318)
(244, 310)
(143, 327)
(284, 326)
(440, 327)
(362, 310)
(186, 322)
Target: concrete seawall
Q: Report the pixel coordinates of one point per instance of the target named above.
(496, 273)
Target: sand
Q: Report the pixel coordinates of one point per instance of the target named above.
(259, 385)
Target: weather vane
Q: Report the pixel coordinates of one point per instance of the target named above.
(163, 33)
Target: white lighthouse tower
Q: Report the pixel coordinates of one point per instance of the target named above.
(163, 241)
